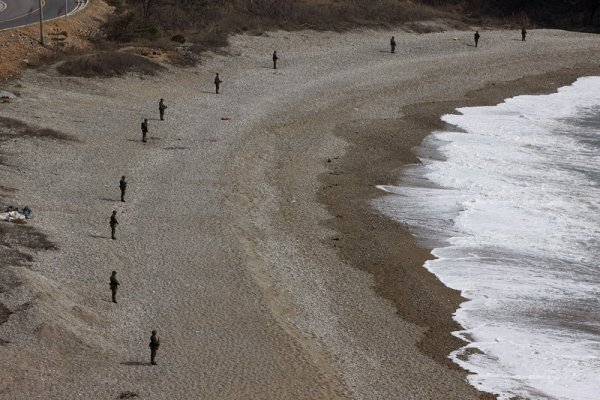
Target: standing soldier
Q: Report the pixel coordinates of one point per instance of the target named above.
(476, 36)
(275, 58)
(144, 130)
(161, 109)
(123, 187)
(113, 225)
(218, 81)
(523, 34)
(393, 44)
(114, 284)
(154, 345)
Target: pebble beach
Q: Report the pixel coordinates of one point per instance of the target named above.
(248, 239)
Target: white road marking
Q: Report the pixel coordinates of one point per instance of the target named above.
(2, 6)
(79, 6)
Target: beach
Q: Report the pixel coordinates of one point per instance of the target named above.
(250, 244)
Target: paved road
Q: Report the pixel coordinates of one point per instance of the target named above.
(15, 13)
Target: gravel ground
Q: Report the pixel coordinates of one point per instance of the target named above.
(222, 245)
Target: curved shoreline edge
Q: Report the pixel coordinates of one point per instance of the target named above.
(400, 275)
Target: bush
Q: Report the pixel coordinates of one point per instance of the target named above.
(178, 39)
(20, 128)
(184, 57)
(145, 30)
(208, 23)
(109, 64)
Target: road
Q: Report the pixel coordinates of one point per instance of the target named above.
(16, 13)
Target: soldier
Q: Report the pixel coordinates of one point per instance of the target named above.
(523, 34)
(476, 36)
(275, 58)
(154, 345)
(123, 187)
(113, 225)
(114, 284)
(218, 81)
(144, 130)
(161, 109)
(393, 44)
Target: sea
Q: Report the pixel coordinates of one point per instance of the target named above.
(508, 198)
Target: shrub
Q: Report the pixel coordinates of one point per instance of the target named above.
(178, 38)
(109, 64)
(20, 128)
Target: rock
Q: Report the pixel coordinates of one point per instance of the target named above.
(7, 95)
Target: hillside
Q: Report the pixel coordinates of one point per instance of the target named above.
(565, 14)
(148, 18)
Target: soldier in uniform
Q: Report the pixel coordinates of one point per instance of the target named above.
(114, 284)
(144, 130)
(476, 36)
(523, 34)
(393, 44)
(154, 345)
(275, 58)
(113, 225)
(161, 109)
(218, 81)
(123, 187)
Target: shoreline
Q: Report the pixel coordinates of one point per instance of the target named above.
(422, 299)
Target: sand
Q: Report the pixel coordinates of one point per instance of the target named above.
(250, 245)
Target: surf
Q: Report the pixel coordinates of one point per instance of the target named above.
(507, 198)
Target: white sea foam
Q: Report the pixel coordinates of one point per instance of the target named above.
(509, 198)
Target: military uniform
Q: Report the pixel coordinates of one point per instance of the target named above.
(523, 34)
(114, 284)
(275, 58)
(393, 44)
(476, 37)
(154, 345)
(113, 225)
(144, 130)
(161, 109)
(123, 187)
(218, 81)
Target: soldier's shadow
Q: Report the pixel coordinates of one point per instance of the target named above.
(98, 236)
(148, 139)
(134, 363)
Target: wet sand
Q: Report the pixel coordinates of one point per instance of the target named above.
(249, 244)
(380, 243)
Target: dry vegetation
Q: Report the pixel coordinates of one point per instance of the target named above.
(9, 127)
(206, 24)
(108, 64)
(204, 17)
